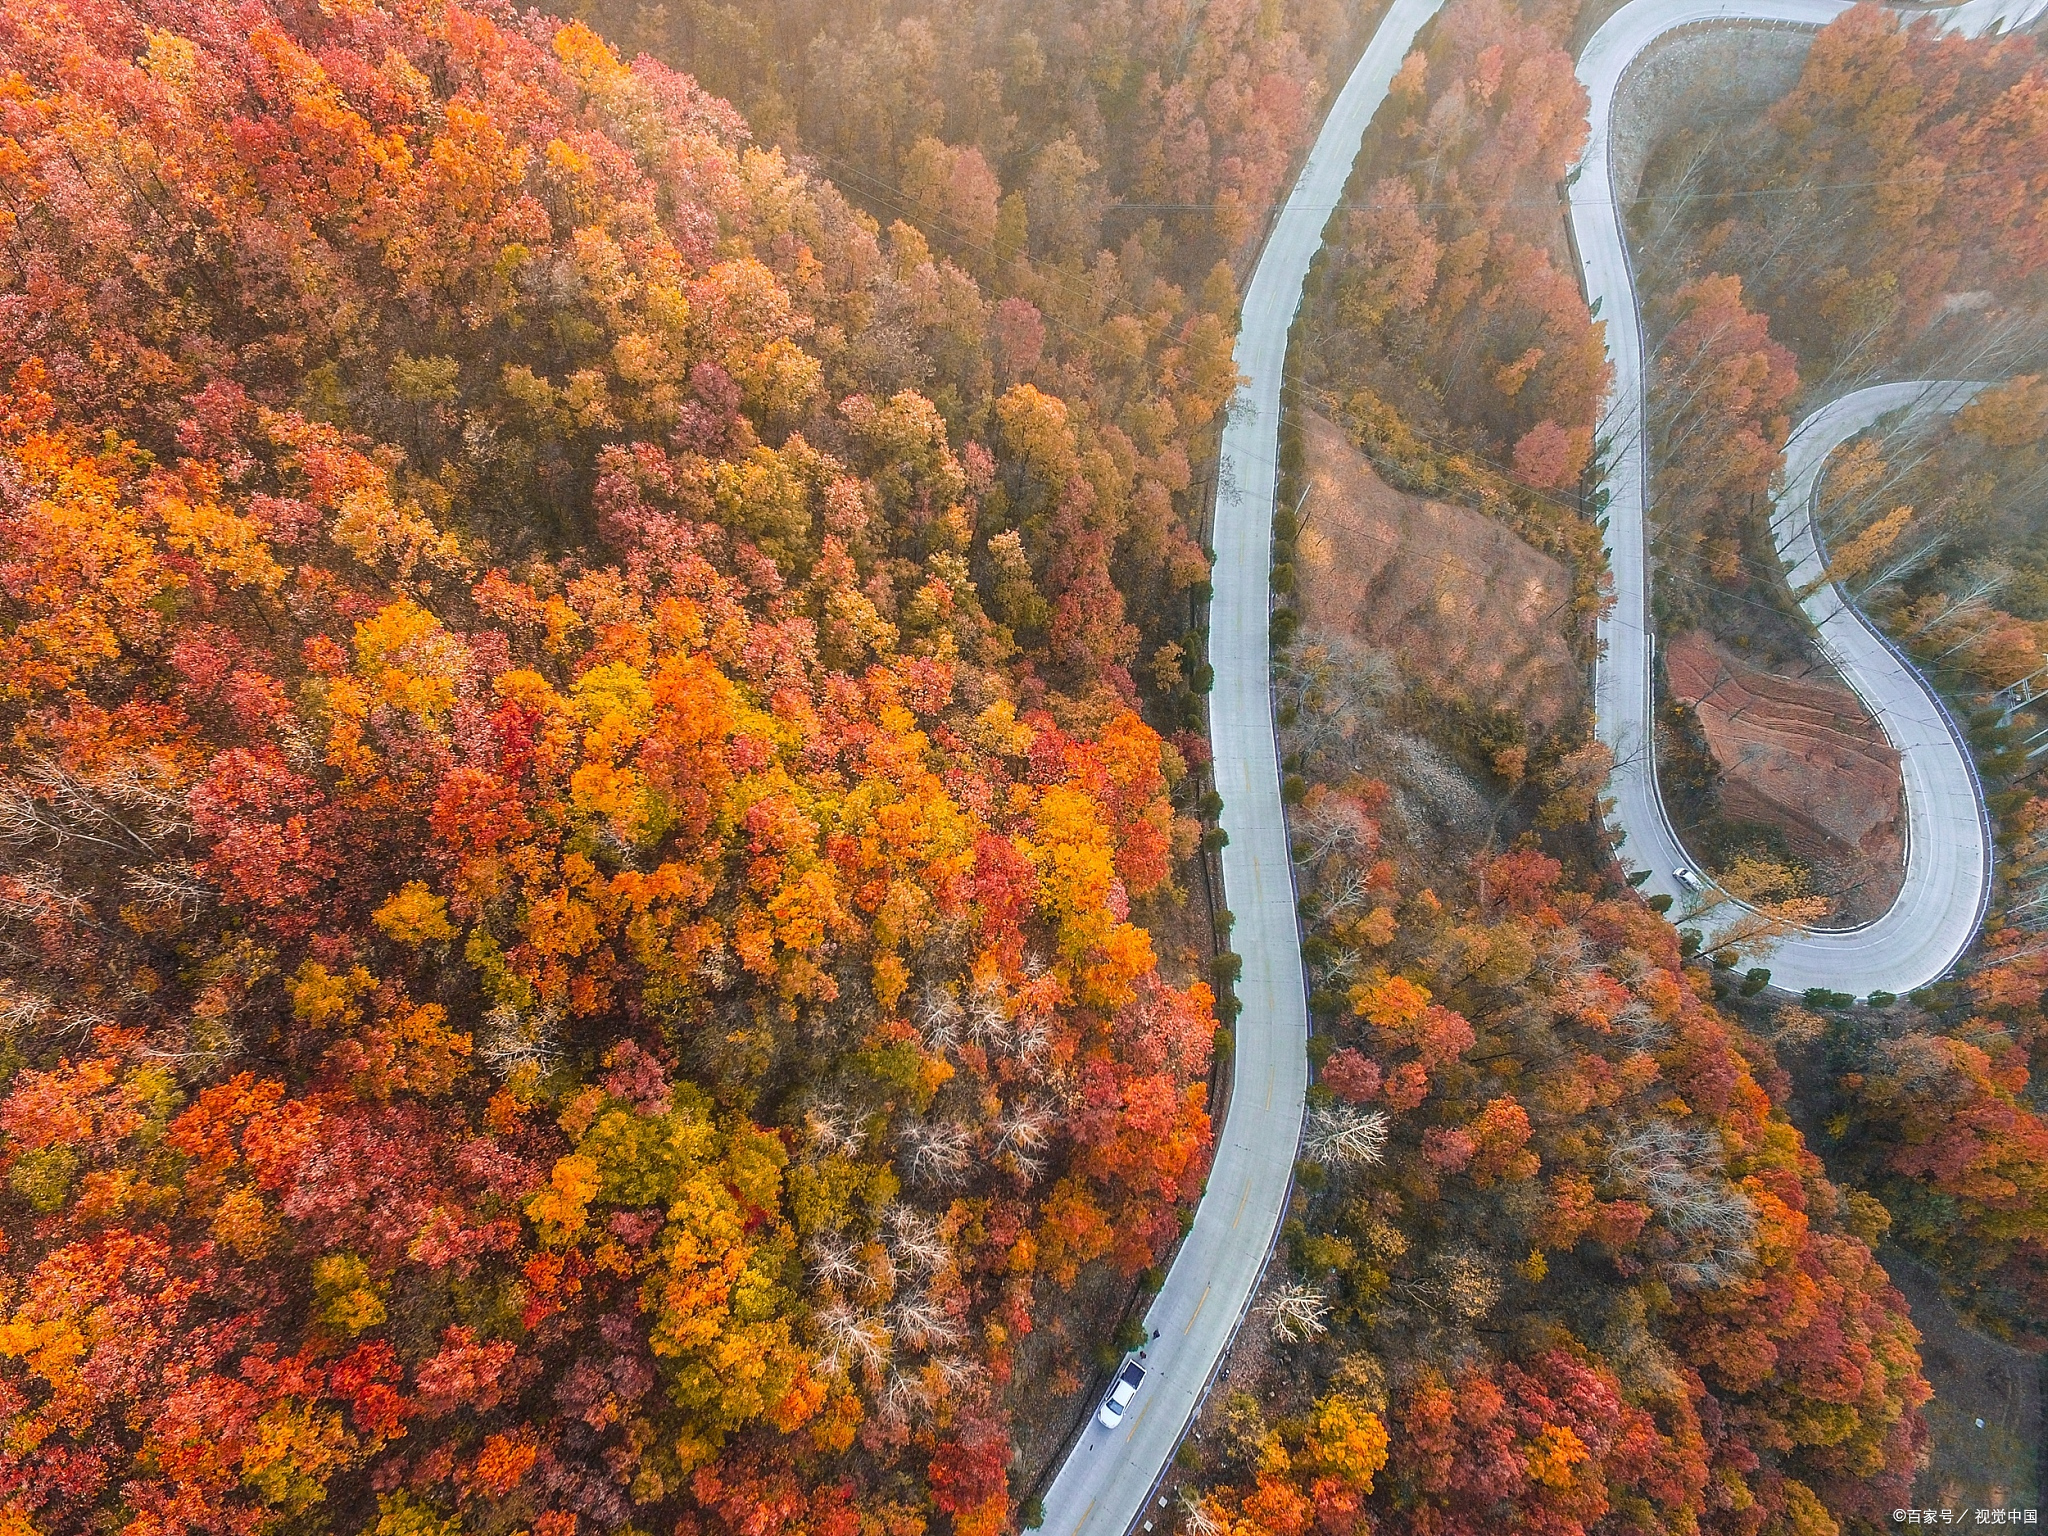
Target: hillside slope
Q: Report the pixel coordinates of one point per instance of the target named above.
(1802, 755)
(559, 964)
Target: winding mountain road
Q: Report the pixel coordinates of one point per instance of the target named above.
(1948, 841)
(1103, 1486)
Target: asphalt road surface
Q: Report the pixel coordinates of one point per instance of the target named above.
(1948, 869)
(1103, 1486)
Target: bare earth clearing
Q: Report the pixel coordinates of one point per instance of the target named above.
(1803, 755)
(1465, 606)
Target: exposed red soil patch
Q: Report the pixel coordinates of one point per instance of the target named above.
(1801, 754)
(1465, 605)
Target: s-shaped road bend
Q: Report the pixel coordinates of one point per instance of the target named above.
(1948, 842)
(1102, 1487)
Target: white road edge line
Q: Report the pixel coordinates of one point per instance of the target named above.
(1108, 1478)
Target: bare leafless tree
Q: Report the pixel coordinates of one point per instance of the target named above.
(1677, 1171)
(1196, 1517)
(21, 1010)
(172, 883)
(1317, 733)
(920, 1323)
(907, 1395)
(850, 1337)
(1345, 1135)
(511, 1040)
(830, 1129)
(939, 1152)
(1660, 1160)
(1034, 1038)
(123, 807)
(1968, 601)
(1563, 958)
(956, 1373)
(988, 1025)
(1342, 965)
(38, 889)
(81, 1023)
(833, 1260)
(1297, 1312)
(1716, 1227)
(914, 1241)
(1640, 1026)
(1348, 892)
(1023, 1133)
(1889, 578)
(1331, 827)
(938, 1017)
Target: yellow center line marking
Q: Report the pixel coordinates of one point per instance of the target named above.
(1083, 1520)
(1197, 1312)
(1137, 1421)
(1270, 1075)
(1240, 1205)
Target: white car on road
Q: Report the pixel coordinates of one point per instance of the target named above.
(1120, 1393)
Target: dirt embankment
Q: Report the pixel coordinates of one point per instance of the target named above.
(1803, 755)
(1693, 81)
(1464, 605)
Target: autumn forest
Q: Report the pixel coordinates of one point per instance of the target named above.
(611, 915)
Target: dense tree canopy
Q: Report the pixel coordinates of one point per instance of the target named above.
(558, 964)
(1886, 200)
(1098, 175)
(1883, 219)
(1447, 291)
(1880, 220)
(580, 823)
(1557, 1240)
